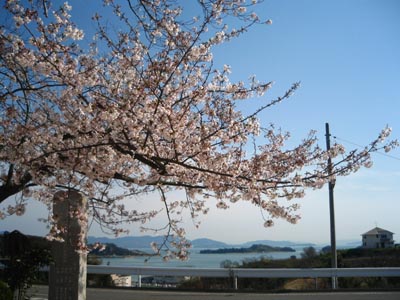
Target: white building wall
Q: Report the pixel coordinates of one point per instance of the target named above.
(121, 280)
(383, 240)
(370, 241)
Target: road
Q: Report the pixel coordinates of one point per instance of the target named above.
(40, 292)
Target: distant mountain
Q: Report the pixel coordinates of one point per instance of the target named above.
(140, 242)
(114, 250)
(348, 243)
(129, 242)
(208, 243)
(143, 242)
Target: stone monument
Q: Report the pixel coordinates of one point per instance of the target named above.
(68, 272)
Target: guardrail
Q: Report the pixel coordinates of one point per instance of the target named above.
(236, 273)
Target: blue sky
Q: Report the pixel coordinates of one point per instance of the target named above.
(347, 56)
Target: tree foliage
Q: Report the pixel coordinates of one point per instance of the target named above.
(139, 106)
(309, 253)
(22, 258)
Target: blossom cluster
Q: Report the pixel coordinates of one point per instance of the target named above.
(143, 110)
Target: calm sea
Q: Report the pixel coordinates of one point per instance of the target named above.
(197, 260)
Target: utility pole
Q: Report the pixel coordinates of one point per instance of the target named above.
(331, 209)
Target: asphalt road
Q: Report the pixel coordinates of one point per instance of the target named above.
(40, 292)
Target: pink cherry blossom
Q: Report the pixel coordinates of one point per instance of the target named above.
(143, 110)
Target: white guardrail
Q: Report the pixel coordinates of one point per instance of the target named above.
(236, 273)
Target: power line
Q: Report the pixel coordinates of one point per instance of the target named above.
(354, 144)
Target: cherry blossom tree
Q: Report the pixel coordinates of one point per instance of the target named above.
(143, 108)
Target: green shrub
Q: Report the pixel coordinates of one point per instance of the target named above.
(5, 291)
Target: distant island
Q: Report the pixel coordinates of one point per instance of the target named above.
(112, 250)
(257, 248)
